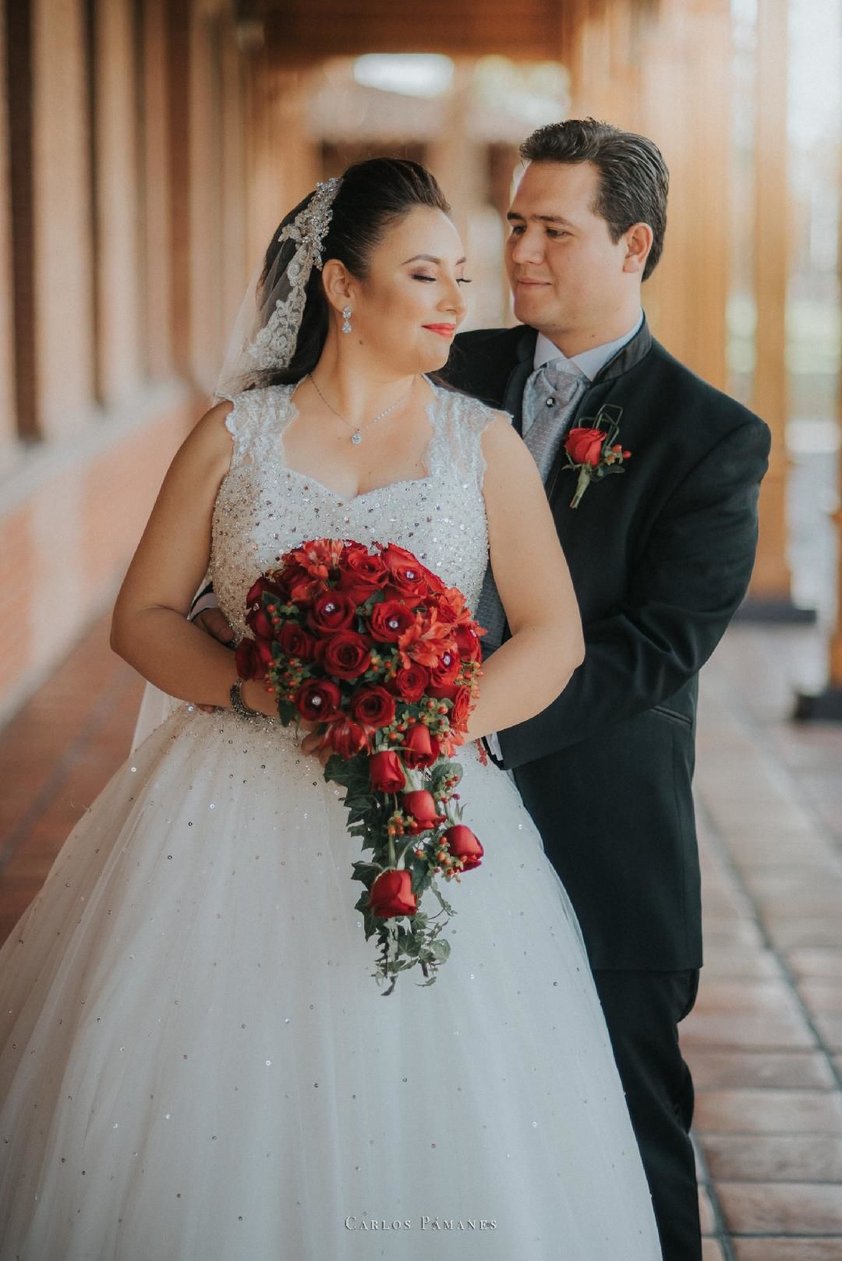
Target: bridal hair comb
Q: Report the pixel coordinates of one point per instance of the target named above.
(274, 345)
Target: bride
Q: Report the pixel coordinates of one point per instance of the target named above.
(195, 1062)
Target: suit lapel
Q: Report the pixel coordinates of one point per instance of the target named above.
(512, 400)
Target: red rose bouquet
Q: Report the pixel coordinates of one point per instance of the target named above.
(384, 659)
(593, 451)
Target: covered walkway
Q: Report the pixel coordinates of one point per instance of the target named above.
(765, 1040)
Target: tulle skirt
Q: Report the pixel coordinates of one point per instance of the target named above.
(196, 1064)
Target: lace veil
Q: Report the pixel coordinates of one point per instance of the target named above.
(266, 330)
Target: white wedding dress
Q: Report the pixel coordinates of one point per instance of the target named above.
(195, 1062)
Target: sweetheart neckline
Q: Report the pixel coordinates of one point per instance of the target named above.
(364, 494)
(435, 435)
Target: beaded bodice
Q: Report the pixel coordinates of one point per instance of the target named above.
(264, 508)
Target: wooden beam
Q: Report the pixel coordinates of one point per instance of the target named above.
(771, 583)
(300, 31)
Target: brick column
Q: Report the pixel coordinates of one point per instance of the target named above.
(117, 198)
(771, 585)
(63, 280)
(8, 410)
(154, 227)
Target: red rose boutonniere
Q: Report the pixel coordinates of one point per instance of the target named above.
(594, 451)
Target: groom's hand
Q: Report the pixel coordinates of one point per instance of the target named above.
(214, 623)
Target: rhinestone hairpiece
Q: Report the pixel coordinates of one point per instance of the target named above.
(274, 345)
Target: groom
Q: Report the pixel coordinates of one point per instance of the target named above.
(660, 553)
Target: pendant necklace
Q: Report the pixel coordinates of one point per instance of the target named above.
(357, 430)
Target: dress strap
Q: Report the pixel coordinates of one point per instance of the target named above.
(256, 420)
(462, 420)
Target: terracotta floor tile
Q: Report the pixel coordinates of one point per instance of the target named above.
(712, 1250)
(821, 862)
(15, 902)
(830, 1031)
(812, 930)
(792, 1249)
(784, 1030)
(27, 866)
(722, 962)
(822, 900)
(822, 995)
(777, 1208)
(759, 997)
(707, 1216)
(731, 934)
(752, 856)
(773, 1158)
(817, 962)
(769, 1112)
(798, 1069)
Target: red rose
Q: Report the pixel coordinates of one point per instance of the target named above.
(411, 682)
(420, 748)
(360, 573)
(249, 661)
(300, 583)
(443, 691)
(331, 611)
(258, 621)
(463, 844)
(386, 772)
(391, 894)
(467, 643)
(433, 581)
(421, 808)
(451, 605)
(295, 642)
(373, 706)
(389, 619)
(447, 667)
(405, 571)
(346, 655)
(318, 700)
(272, 586)
(346, 738)
(584, 446)
(461, 709)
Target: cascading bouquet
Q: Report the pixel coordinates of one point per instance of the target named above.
(384, 659)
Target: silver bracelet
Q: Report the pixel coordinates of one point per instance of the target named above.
(240, 708)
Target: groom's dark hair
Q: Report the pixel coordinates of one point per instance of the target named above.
(633, 177)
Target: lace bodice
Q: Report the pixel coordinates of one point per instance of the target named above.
(264, 507)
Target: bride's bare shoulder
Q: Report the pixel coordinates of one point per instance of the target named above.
(207, 448)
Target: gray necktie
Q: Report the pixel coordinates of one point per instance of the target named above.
(550, 397)
(549, 401)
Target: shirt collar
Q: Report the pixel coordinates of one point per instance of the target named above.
(589, 362)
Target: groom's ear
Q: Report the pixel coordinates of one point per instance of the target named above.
(337, 281)
(638, 241)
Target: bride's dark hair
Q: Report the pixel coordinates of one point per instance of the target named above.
(373, 196)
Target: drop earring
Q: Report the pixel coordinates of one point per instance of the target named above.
(346, 319)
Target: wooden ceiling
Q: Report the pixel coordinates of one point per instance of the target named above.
(301, 31)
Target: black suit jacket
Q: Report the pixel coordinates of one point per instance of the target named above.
(660, 556)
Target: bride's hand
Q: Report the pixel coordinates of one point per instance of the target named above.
(255, 695)
(311, 742)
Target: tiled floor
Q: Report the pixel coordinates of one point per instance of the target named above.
(765, 1039)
